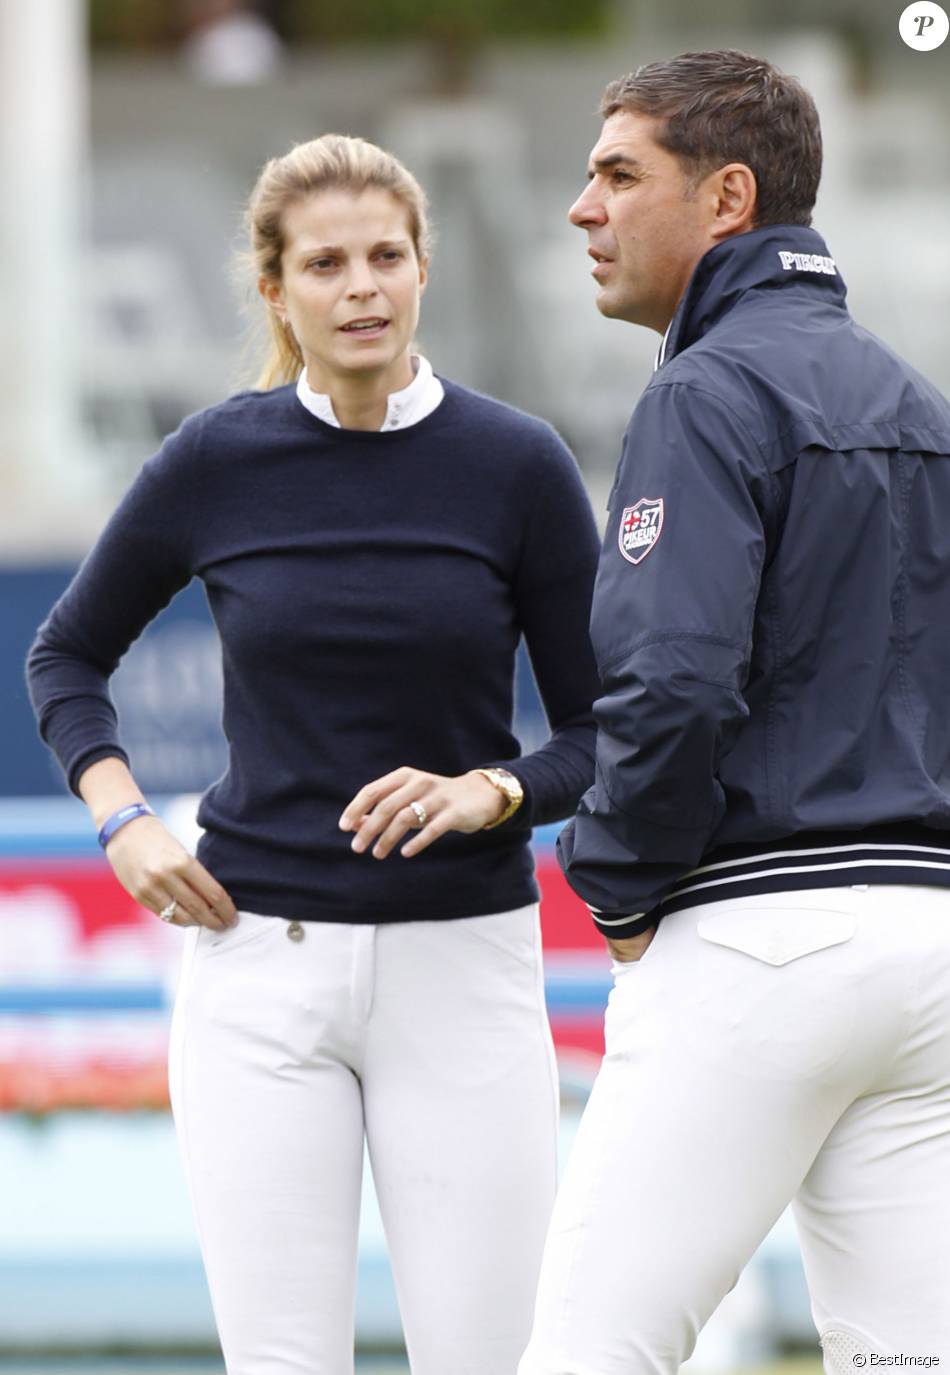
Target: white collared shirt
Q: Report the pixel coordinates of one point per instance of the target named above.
(403, 408)
(661, 352)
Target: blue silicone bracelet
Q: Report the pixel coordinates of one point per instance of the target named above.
(119, 818)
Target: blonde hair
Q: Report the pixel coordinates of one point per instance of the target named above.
(332, 162)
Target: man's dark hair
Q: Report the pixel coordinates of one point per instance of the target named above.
(719, 107)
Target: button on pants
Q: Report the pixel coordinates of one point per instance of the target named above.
(431, 1039)
(795, 1046)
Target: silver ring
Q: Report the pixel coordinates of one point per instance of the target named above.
(168, 913)
(419, 812)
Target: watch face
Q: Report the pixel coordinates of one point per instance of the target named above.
(511, 785)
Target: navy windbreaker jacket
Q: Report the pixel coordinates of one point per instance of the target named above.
(772, 611)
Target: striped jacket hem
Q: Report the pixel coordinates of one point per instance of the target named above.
(900, 854)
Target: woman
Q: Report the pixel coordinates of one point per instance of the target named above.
(373, 541)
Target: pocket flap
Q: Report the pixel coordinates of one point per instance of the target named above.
(777, 935)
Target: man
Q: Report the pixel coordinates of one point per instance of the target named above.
(767, 845)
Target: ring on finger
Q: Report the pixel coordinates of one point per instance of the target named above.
(419, 812)
(168, 913)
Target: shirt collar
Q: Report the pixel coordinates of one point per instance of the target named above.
(660, 358)
(403, 408)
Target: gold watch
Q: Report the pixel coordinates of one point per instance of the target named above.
(510, 788)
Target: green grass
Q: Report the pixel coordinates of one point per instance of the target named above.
(794, 1365)
(798, 1365)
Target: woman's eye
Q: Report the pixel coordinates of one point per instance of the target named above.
(322, 264)
(391, 255)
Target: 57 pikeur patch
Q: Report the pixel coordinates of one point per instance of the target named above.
(640, 527)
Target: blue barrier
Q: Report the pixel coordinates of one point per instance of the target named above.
(565, 993)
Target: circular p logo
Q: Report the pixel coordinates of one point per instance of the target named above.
(924, 26)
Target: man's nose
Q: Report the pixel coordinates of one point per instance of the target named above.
(587, 209)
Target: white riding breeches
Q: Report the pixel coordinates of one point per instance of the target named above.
(289, 1043)
(793, 1046)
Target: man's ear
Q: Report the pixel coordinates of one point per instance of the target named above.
(735, 200)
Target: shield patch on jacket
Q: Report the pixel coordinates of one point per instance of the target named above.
(640, 527)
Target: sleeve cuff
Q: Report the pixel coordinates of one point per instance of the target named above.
(91, 757)
(619, 928)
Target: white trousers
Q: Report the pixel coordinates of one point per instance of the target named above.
(429, 1037)
(765, 1049)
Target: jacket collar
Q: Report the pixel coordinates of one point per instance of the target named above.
(779, 255)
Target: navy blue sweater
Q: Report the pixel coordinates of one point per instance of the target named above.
(370, 590)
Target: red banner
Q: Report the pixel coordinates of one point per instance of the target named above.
(87, 980)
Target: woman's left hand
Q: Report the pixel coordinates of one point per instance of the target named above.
(383, 812)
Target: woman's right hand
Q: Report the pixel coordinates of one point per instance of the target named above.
(157, 870)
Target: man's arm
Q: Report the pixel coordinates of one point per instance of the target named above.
(674, 608)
